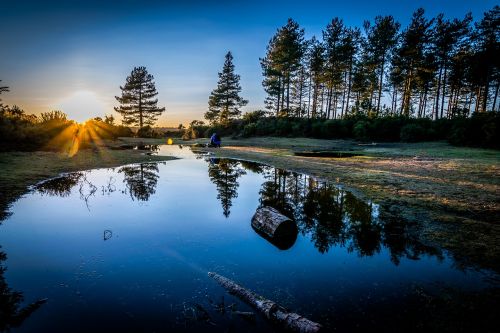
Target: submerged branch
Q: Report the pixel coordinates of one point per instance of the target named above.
(272, 311)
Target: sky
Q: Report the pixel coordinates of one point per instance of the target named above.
(73, 55)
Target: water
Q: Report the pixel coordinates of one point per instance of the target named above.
(128, 249)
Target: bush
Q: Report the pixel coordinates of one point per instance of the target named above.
(249, 130)
(388, 128)
(148, 132)
(334, 129)
(412, 133)
(361, 130)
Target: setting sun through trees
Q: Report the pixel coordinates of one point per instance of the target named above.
(137, 103)
(224, 101)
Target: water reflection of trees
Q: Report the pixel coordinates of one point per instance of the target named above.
(141, 180)
(224, 173)
(334, 216)
(60, 186)
(11, 313)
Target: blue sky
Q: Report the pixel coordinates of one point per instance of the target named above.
(74, 55)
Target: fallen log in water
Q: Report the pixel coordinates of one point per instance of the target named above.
(275, 227)
(272, 311)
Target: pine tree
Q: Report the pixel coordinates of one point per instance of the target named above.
(137, 103)
(316, 69)
(224, 101)
(381, 39)
(335, 63)
(409, 57)
(487, 58)
(282, 62)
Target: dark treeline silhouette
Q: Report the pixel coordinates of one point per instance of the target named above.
(380, 82)
(435, 67)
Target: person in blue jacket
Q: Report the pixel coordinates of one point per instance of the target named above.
(215, 141)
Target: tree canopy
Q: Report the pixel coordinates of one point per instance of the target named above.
(432, 68)
(138, 105)
(225, 102)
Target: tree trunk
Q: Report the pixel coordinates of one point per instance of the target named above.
(380, 87)
(271, 311)
(309, 97)
(496, 96)
(288, 95)
(140, 107)
(279, 96)
(436, 114)
(444, 90)
(348, 91)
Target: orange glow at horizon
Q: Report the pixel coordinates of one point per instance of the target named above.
(82, 105)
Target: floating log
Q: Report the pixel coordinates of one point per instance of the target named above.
(272, 311)
(278, 229)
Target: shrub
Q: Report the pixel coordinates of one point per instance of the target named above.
(249, 130)
(412, 133)
(361, 130)
(146, 132)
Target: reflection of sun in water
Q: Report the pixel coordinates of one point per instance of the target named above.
(82, 105)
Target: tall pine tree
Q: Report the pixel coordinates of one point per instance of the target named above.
(224, 101)
(282, 62)
(138, 104)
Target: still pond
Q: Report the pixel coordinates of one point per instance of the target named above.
(128, 250)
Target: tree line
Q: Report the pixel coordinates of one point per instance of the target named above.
(434, 79)
(434, 67)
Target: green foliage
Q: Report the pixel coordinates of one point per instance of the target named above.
(481, 130)
(224, 102)
(138, 105)
(51, 130)
(195, 130)
(249, 130)
(148, 132)
(254, 116)
(412, 133)
(361, 130)
(55, 115)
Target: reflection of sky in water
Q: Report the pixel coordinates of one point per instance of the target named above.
(169, 228)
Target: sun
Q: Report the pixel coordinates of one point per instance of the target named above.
(82, 105)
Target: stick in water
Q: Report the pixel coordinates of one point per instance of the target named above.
(271, 310)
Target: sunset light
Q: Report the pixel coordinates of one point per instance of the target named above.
(249, 166)
(82, 105)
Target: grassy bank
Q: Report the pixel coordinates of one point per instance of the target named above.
(22, 169)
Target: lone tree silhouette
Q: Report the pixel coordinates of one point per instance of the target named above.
(224, 101)
(138, 104)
